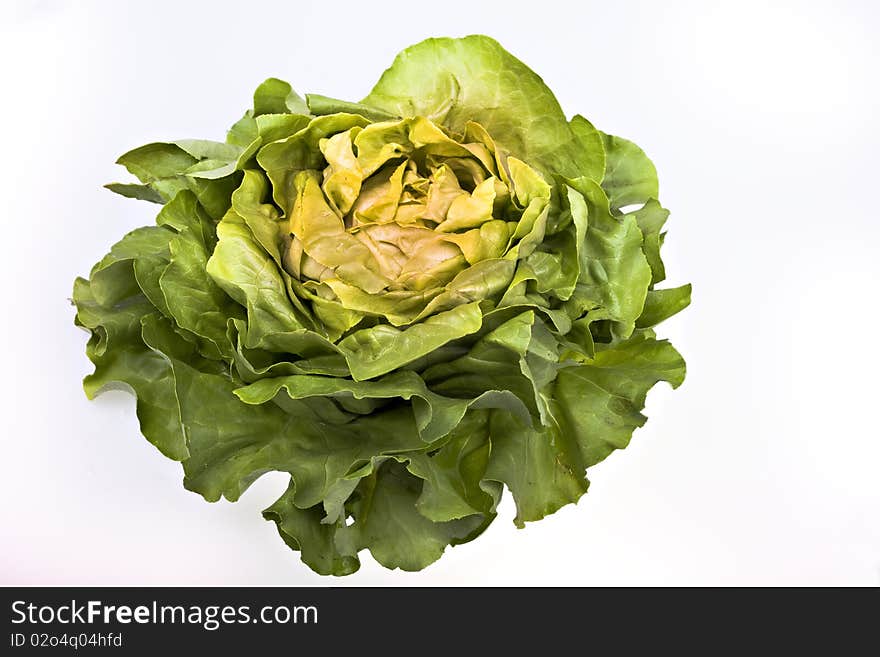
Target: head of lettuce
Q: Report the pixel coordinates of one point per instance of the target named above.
(406, 304)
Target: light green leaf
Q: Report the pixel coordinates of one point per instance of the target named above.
(630, 177)
(232, 443)
(455, 485)
(537, 466)
(140, 192)
(454, 81)
(241, 267)
(209, 150)
(267, 228)
(615, 275)
(243, 132)
(435, 415)
(375, 351)
(283, 159)
(163, 167)
(651, 218)
(276, 96)
(663, 304)
(273, 127)
(517, 356)
(122, 359)
(598, 404)
(156, 161)
(195, 302)
(303, 530)
(388, 523)
(319, 105)
(592, 145)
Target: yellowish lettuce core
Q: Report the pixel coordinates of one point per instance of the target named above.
(404, 220)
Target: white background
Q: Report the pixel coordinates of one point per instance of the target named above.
(762, 118)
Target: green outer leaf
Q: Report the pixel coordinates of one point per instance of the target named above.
(153, 162)
(630, 177)
(232, 443)
(183, 212)
(303, 530)
(124, 359)
(212, 169)
(663, 304)
(164, 167)
(378, 350)
(319, 104)
(434, 414)
(651, 218)
(592, 144)
(241, 267)
(455, 485)
(453, 81)
(388, 523)
(244, 131)
(554, 268)
(518, 356)
(276, 96)
(598, 404)
(192, 298)
(209, 150)
(274, 127)
(615, 275)
(112, 307)
(537, 467)
(140, 192)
